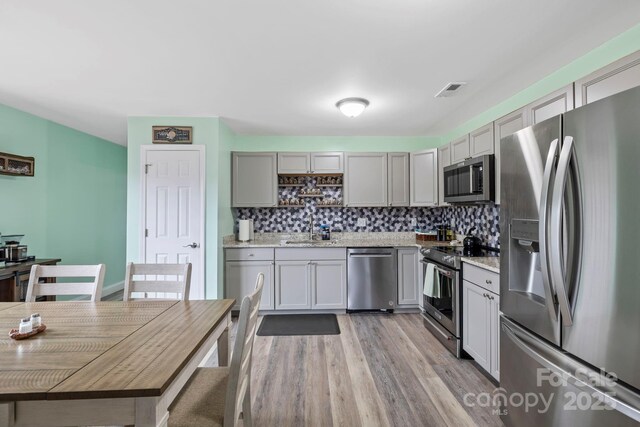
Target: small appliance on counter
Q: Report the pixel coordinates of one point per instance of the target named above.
(13, 250)
(471, 244)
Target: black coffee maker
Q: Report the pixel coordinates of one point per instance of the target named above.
(472, 244)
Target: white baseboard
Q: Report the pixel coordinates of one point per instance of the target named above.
(106, 291)
(112, 288)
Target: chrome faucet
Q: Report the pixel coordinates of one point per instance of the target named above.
(310, 227)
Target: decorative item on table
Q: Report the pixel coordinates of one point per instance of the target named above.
(28, 327)
(172, 134)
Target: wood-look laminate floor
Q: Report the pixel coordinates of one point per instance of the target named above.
(382, 370)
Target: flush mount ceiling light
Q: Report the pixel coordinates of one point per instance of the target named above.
(352, 107)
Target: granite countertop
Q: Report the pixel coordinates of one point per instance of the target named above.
(486, 262)
(338, 240)
(352, 240)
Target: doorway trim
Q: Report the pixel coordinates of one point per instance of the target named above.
(144, 149)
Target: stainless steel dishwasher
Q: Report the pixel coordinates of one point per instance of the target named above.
(372, 279)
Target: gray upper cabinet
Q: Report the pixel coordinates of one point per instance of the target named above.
(481, 141)
(505, 126)
(551, 105)
(620, 75)
(423, 172)
(294, 163)
(254, 180)
(398, 179)
(365, 180)
(329, 162)
(460, 149)
(306, 163)
(444, 160)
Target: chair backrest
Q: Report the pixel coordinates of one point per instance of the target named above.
(240, 367)
(92, 288)
(177, 283)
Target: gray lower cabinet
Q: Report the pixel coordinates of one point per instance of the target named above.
(555, 103)
(365, 180)
(398, 178)
(240, 281)
(481, 318)
(292, 285)
(505, 126)
(494, 326)
(310, 279)
(476, 334)
(254, 180)
(329, 284)
(614, 78)
(409, 283)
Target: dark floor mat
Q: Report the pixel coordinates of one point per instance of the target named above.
(299, 324)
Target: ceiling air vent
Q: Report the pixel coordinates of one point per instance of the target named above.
(450, 89)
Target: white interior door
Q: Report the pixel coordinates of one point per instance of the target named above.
(173, 211)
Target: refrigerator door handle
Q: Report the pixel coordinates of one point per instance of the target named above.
(555, 230)
(613, 394)
(543, 230)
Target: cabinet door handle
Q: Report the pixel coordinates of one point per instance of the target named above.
(251, 254)
(488, 282)
(485, 295)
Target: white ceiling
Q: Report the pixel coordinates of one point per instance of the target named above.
(278, 67)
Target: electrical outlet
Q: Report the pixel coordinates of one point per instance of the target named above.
(414, 222)
(362, 222)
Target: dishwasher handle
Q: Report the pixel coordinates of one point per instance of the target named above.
(387, 255)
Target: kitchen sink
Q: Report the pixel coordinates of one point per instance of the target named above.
(309, 242)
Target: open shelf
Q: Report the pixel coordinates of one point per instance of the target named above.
(311, 195)
(328, 185)
(329, 206)
(291, 185)
(291, 206)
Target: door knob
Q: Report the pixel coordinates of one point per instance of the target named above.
(192, 246)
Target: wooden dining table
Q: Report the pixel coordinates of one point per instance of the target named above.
(105, 363)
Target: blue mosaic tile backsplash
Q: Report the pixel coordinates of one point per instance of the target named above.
(296, 219)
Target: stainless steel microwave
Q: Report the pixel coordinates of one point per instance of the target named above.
(471, 181)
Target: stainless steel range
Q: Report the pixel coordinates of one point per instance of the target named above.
(442, 293)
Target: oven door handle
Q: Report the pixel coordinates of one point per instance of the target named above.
(445, 272)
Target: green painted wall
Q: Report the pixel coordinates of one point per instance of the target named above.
(614, 49)
(334, 143)
(75, 206)
(205, 132)
(225, 218)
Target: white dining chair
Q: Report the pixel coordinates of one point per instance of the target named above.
(219, 396)
(92, 288)
(172, 279)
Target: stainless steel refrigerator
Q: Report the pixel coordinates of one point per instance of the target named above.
(570, 268)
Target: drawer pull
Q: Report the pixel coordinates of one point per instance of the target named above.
(488, 282)
(251, 254)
